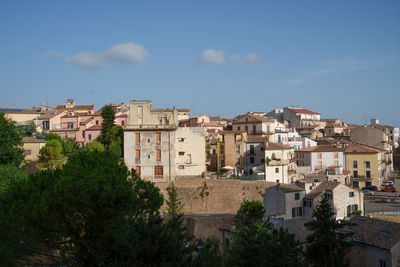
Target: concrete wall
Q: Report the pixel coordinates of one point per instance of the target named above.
(274, 202)
(34, 149)
(291, 202)
(362, 255)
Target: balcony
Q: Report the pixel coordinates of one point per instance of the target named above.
(360, 177)
(137, 160)
(278, 162)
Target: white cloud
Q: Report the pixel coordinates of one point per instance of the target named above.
(211, 56)
(252, 57)
(125, 53)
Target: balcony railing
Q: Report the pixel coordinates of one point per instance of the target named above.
(137, 160)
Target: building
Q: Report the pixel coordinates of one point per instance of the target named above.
(367, 165)
(321, 157)
(300, 117)
(254, 123)
(345, 200)
(231, 150)
(26, 115)
(157, 148)
(335, 128)
(254, 155)
(280, 164)
(212, 127)
(293, 139)
(283, 201)
(71, 106)
(32, 148)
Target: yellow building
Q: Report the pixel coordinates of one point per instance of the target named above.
(366, 165)
(32, 147)
(230, 149)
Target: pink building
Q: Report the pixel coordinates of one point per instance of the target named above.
(202, 121)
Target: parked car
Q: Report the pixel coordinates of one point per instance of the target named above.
(397, 201)
(390, 189)
(368, 192)
(370, 188)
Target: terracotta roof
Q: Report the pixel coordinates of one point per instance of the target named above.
(375, 232)
(94, 128)
(32, 140)
(256, 139)
(305, 111)
(256, 117)
(274, 146)
(358, 148)
(322, 148)
(91, 107)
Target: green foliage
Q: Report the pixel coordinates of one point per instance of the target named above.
(174, 215)
(257, 243)
(106, 135)
(27, 130)
(93, 146)
(69, 146)
(10, 142)
(325, 245)
(53, 136)
(207, 256)
(51, 155)
(9, 174)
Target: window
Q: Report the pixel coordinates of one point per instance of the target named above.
(336, 163)
(189, 159)
(97, 122)
(276, 170)
(351, 194)
(261, 148)
(382, 263)
(368, 165)
(45, 125)
(214, 151)
(181, 139)
(254, 129)
(158, 155)
(158, 138)
(328, 194)
(251, 160)
(319, 155)
(351, 209)
(181, 166)
(137, 156)
(319, 165)
(137, 138)
(90, 137)
(237, 149)
(137, 169)
(70, 125)
(252, 150)
(262, 160)
(28, 152)
(296, 196)
(297, 212)
(181, 153)
(355, 174)
(368, 184)
(307, 203)
(356, 184)
(355, 164)
(336, 155)
(158, 171)
(238, 128)
(367, 174)
(122, 123)
(246, 128)
(221, 149)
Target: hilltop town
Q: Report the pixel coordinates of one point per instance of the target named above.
(288, 159)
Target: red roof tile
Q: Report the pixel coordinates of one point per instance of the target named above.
(302, 110)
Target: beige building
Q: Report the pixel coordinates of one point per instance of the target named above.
(157, 148)
(230, 150)
(254, 123)
(280, 163)
(32, 147)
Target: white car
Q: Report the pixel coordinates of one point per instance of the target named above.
(368, 192)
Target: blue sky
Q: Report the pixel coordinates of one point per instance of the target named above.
(340, 58)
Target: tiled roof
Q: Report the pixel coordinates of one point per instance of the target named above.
(94, 128)
(375, 232)
(32, 140)
(256, 139)
(305, 111)
(275, 146)
(256, 117)
(287, 188)
(358, 148)
(320, 189)
(91, 107)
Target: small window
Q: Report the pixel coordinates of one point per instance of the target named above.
(351, 194)
(382, 263)
(28, 152)
(158, 154)
(158, 137)
(355, 174)
(356, 184)
(262, 148)
(246, 128)
(90, 137)
(296, 196)
(137, 170)
(158, 171)
(355, 164)
(137, 138)
(252, 149)
(181, 166)
(367, 174)
(336, 155)
(276, 170)
(251, 160)
(319, 155)
(238, 128)
(97, 122)
(181, 139)
(237, 149)
(368, 165)
(181, 153)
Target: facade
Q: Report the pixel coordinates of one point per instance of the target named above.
(299, 117)
(70, 106)
(292, 138)
(335, 127)
(212, 127)
(366, 165)
(283, 201)
(345, 200)
(254, 154)
(157, 148)
(321, 157)
(230, 150)
(32, 147)
(280, 164)
(254, 123)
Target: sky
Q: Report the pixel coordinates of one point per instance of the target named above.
(338, 58)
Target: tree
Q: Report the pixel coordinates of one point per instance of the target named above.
(51, 156)
(92, 212)
(108, 115)
(174, 215)
(10, 174)
(93, 146)
(11, 151)
(325, 244)
(27, 130)
(69, 146)
(257, 243)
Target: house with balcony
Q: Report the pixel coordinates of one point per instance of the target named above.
(280, 163)
(367, 165)
(157, 148)
(293, 138)
(254, 154)
(300, 117)
(231, 147)
(254, 123)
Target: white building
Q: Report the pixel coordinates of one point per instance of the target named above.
(280, 163)
(299, 117)
(254, 123)
(159, 150)
(254, 154)
(293, 139)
